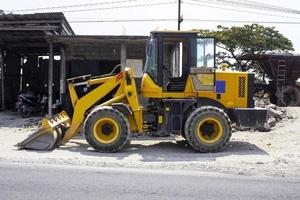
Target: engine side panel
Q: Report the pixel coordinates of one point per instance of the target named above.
(231, 89)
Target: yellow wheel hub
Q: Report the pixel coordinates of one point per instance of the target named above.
(106, 130)
(209, 130)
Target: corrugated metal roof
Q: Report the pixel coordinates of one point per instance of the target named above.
(56, 17)
(91, 40)
(26, 34)
(34, 16)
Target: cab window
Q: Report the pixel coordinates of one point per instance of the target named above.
(151, 62)
(205, 52)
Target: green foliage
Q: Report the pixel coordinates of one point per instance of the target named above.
(237, 41)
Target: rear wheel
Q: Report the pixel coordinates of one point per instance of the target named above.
(25, 113)
(208, 129)
(291, 95)
(107, 130)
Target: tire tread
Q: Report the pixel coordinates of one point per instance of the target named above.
(189, 123)
(124, 138)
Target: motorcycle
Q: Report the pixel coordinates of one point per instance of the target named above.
(29, 103)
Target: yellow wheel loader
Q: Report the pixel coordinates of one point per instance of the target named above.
(185, 95)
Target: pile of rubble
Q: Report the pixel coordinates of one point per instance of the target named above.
(275, 113)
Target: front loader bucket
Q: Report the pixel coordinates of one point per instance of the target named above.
(50, 135)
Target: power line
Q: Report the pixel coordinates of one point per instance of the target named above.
(108, 8)
(226, 2)
(238, 10)
(119, 7)
(118, 20)
(255, 3)
(270, 7)
(251, 5)
(72, 6)
(202, 20)
(246, 21)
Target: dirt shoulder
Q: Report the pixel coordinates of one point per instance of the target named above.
(274, 153)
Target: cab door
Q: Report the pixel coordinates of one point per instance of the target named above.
(203, 73)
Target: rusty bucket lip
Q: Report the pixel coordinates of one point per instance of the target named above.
(30, 137)
(25, 144)
(54, 125)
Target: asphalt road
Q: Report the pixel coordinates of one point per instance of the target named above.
(19, 181)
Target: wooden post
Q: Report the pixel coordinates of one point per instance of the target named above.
(2, 78)
(50, 79)
(123, 56)
(62, 74)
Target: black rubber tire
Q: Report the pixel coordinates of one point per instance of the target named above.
(25, 113)
(290, 91)
(120, 142)
(198, 115)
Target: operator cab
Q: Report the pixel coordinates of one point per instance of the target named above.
(171, 55)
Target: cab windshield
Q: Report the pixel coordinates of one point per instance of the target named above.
(205, 52)
(151, 64)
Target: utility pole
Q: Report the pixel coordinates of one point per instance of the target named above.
(180, 19)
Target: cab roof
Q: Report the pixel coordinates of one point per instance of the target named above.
(185, 34)
(174, 32)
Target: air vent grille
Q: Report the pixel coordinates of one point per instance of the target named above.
(242, 87)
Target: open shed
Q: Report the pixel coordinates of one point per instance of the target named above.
(38, 50)
(98, 55)
(25, 53)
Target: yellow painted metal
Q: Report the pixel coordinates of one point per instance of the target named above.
(206, 79)
(84, 103)
(132, 98)
(49, 124)
(189, 91)
(103, 137)
(126, 93)
(114, 100)
(229, 99)
(73, 94)
(160, 119)
(215, 136)
(224, 66)
(95, 81)
(149, 89)
(132, 123)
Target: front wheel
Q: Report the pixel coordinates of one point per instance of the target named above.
(208, 129)
(107, 130)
